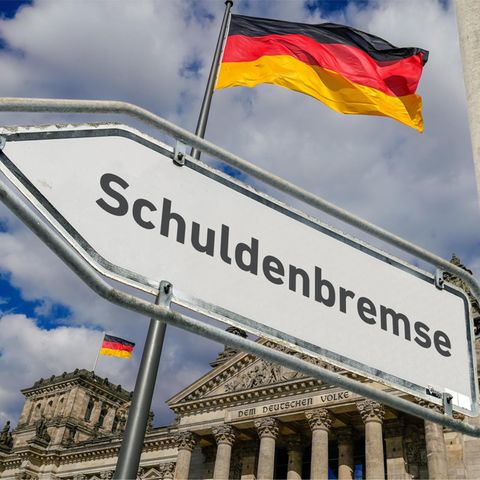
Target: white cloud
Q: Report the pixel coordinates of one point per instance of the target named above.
(28, 353)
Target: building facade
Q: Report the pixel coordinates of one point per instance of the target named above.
(245, 419)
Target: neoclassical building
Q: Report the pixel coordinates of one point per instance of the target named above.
(245, 419)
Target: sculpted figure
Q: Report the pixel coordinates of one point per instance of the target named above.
(151, 416)
(41, 429)
(4, 433)
(9, 440)
(122, 423)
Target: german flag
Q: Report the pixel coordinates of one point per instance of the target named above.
(116, 347)
(348, 70)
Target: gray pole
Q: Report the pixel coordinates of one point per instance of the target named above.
(134, 436)
(468, 21)
(212, 77)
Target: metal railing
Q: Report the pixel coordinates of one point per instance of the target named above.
(124, 108)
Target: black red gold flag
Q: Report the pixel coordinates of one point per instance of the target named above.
(348, 70)
(116, 347)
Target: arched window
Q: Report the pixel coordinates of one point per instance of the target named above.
(88, 412)
(103, 414)
(49, 409)
(115, 424)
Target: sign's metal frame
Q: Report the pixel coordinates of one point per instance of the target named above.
(116, 296)
(130, 278)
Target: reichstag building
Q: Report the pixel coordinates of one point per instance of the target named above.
(245, 419)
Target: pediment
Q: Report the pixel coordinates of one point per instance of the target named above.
(150, 474)
(242, 373)
(260, 373)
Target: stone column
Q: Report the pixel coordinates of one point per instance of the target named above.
(267, 429)
(70, 402)
(320, 421)
(436, 450)
(224, 436)
(97, 408)
(471, 447)
(468, 12)
(109, 419)
(372, 415)
(185, 443)
(295, 456)
(435, 445)
(167, 470)
(396, 461)
(345, 453)
(60, 406)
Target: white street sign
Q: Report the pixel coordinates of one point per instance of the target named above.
(241, 256)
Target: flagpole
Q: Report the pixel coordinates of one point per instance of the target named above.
(132, 444)
(98, 353)
(212, 77)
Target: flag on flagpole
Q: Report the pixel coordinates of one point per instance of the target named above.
(116, 347)
(348, 70)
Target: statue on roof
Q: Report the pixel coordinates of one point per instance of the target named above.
(41, 432)
(6, 435)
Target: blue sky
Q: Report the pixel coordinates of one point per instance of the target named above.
(12, 301)
(418, 186)
(8, 8)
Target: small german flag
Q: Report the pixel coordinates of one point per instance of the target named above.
(116, 347)
(348, 70)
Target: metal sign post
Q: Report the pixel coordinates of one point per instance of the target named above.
(132, 444)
